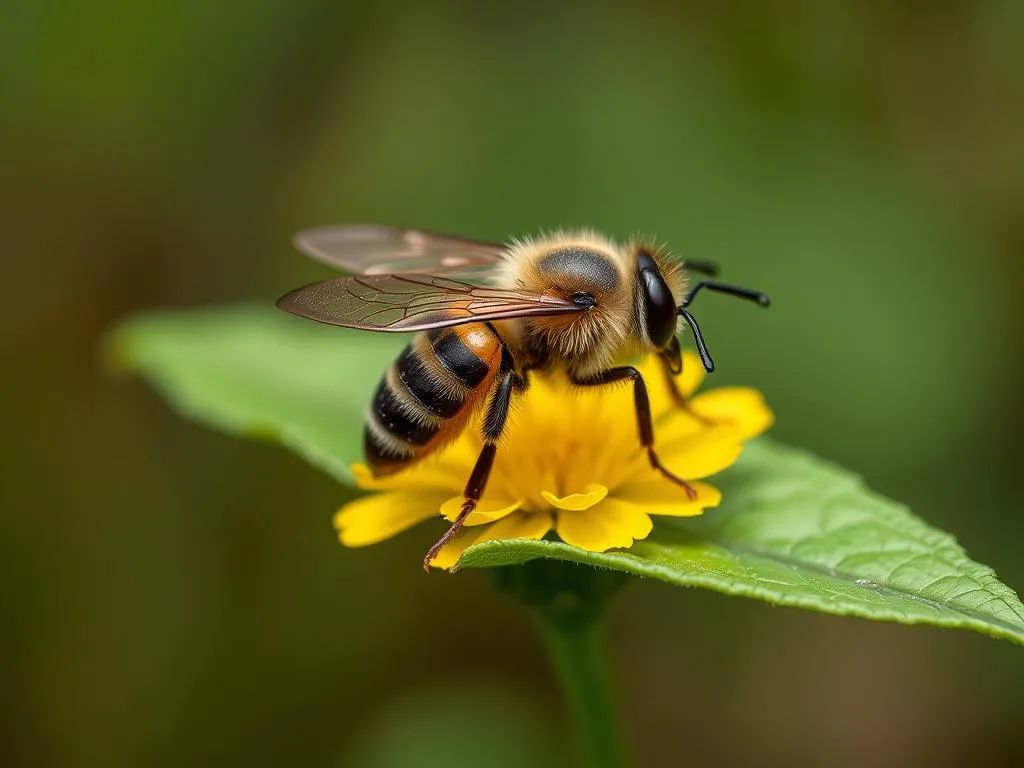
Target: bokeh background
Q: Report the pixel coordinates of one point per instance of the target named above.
(174, 597)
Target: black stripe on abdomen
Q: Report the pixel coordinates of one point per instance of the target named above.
(393, 416)
(422, 384)
(459, 359)
(379, 453)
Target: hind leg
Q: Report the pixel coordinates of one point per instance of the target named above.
(494, 424)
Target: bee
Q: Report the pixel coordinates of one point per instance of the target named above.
(487, 316)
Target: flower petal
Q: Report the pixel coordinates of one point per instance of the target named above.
(380, 516)
(434, 472)
(592, 494)
(679, 422)
(741, 408)
(700, 454)
(545, 444)
(520, 525)
(660, 497)
(692, 375)
(607, 525)
(487, 509)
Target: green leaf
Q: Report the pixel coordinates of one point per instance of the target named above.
(257, 372)
(795, 530)
(792, 529)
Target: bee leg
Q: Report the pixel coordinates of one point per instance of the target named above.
(474, 490)
(494, 425)
(643, 416)
(672, 365)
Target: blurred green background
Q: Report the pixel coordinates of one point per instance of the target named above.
(174, 597)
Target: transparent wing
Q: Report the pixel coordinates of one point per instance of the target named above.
(414, 303)
(369, 249)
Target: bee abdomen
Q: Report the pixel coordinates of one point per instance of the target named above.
(465, 353)
(422, 402)
(402, 420)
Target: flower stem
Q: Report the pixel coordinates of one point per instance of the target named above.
(577, 654)
(567, 602)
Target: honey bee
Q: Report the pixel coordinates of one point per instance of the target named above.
(488, 315)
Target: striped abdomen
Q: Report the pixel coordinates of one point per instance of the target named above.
(428, 393)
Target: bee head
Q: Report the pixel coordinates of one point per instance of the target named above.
(656, 280)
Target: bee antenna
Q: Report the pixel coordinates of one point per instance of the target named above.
(734, 290)
(698, 337)
(703, 266)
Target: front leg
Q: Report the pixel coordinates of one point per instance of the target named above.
(643, 415)
(672, 365)
(494, 424)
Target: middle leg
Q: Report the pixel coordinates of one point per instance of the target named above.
(642, 405)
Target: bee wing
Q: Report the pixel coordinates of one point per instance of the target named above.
(370, 249)
(414, 302)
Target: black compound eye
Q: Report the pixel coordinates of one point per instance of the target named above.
(659, 306)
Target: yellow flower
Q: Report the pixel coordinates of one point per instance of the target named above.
(571, 462)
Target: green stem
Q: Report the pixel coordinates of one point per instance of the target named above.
(574, 644)
(567, 602)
